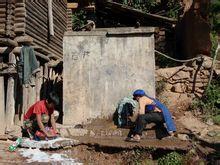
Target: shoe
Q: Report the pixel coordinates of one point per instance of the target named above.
(133, 139)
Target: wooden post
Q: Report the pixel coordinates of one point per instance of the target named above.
(25, 100)
(31, 95)
(10, 102)
(45, 79)
(39, 81)
(2, 106)
(50, 17)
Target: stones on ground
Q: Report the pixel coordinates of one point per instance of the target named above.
(178, 88)
(207, 63)
(203, 132)
(14, 132)
(214, 133)
(210, 121)
(91, 133)
(64, 132)
(3, 137)
(183, 137)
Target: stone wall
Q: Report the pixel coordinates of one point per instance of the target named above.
(103, 66)
(181, 84)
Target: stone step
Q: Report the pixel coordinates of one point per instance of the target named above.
(119, 132)
(119, 142)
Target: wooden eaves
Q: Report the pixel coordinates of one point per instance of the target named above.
(119, 9)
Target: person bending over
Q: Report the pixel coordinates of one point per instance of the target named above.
(150, 111)
(39, 121)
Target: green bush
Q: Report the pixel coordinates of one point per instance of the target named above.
(209, 104)
(78, 19)
(215, 14)
(172, 158)
(214, 40)
(216, 119)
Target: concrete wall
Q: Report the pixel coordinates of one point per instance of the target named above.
(103, 66)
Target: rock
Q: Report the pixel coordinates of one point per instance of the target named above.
(207, 63)
(64, 132)
(210, 121)
(167, 72)
(198, 90)
(205, 72)
(217, 71)
(92, 133)
(178, 88)
(211, 133)
(168, 87)
(188, 69)
(183, 137)
(77, 132)
(78, 126)
(181, 75)
(199, 95)
(14, 131)
(3, 137)
(204, 132)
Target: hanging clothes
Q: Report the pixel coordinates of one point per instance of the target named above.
(28, 66)
(125, 108)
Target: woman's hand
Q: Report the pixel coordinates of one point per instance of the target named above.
(157, 110)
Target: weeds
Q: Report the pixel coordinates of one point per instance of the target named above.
(172, 158)
(214, 40)
(209, 104)
(78, 19)
(160, 86)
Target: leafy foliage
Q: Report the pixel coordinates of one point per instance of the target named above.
(215, 14)
(214, 40)
(209, 105)
(78, 19)
(172, 158)
(172, 6)
(216, 119)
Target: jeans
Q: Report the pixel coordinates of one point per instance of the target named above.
(150, 117)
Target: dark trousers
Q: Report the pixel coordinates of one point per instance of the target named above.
(143, 120)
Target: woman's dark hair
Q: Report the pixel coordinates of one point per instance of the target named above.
(53, 98)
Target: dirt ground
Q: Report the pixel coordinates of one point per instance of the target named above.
(105, 144)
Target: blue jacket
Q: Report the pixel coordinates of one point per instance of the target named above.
(166, 114)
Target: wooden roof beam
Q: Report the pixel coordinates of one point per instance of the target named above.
(72, 5)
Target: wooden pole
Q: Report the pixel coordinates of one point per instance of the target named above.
(2, 106)
(39, 81)
(31, 95)
(50, 17)
(10, 102)
(46, 75)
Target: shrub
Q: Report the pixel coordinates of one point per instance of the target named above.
(214, 40)
(172, 158)
(216, 119)
(78, 19)
(209, 104)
